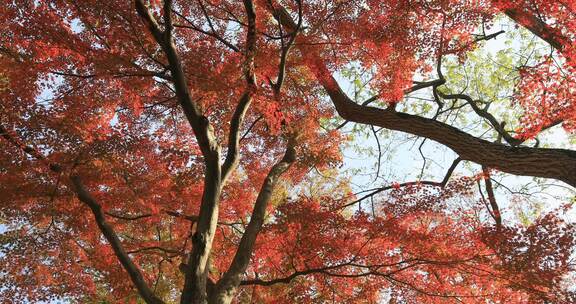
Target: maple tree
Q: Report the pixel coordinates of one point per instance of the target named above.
(164, 151)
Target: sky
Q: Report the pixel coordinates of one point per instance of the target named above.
(401, 159)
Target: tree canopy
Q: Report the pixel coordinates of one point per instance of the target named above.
(168, 151)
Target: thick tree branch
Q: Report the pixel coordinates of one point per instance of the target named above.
(558, 164)
(530, 21)
(285, 50)
(233, 153)
(198, 122)
(492, 197)
(85, 197)
(417, 86)
(110, 235)
(455, 164)
(195, 279)
(226, 287)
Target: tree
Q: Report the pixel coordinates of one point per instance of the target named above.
(165, 151)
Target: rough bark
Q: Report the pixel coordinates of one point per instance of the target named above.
(226, 287)
(559, 164)
(107, 230)
(538, 27)
(196, 272)
(233, 153)
(135, 275)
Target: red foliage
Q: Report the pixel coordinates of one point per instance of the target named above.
(86, 91)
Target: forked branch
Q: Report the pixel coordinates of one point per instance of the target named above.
(225, 288)
(558, 164)
(107, 230)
